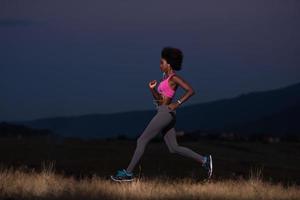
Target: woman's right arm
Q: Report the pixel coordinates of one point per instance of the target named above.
(155, 94)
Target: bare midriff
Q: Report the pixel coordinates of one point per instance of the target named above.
(164, 100)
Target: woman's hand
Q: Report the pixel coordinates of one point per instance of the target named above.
(173, 106)
(152, 84)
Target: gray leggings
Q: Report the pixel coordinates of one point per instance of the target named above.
(163, 122)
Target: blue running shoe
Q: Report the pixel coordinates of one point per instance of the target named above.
(122, 176)
(208, 166)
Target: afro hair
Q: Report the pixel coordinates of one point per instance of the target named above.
(173, 56)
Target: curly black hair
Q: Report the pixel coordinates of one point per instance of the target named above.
(173, 56)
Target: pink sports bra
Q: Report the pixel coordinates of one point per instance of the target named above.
(164, 87)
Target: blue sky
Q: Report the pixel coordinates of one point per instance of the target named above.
(64, 58)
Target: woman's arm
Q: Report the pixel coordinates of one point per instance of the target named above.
(155, 94)
(187, 87)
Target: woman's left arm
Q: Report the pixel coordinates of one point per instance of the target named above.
(186, 86)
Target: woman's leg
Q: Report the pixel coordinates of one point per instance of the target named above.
(155, 126)
(170, 139)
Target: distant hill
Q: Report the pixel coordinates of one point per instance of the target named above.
(281, 123)
(274, 110)
(14, 130)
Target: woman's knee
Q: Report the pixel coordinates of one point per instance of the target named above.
(172, 149)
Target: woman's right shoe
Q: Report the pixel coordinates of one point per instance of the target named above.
(122, 176)
(208, 166)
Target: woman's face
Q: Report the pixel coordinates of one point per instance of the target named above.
(163, 65)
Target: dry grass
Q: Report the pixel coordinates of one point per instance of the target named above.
(21, 184)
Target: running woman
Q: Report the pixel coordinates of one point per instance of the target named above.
(164, 120)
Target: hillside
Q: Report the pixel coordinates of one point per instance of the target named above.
(251, 111)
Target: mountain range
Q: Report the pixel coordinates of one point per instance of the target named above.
(274, 111)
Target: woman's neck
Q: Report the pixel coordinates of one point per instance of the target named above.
(170, 72)
(167, 74)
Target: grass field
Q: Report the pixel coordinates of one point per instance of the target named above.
(77, 169)
(16, 184)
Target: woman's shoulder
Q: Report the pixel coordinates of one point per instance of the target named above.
(175, 76)
(173, 79)
(176, 79)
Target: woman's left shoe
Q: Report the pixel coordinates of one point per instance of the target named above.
(122, 176)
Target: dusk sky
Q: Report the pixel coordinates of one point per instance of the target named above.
(66, 58)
